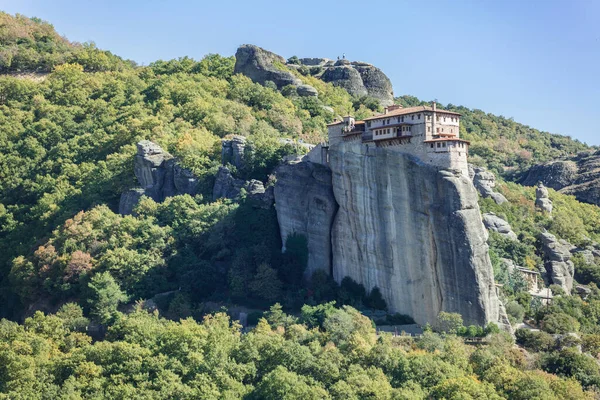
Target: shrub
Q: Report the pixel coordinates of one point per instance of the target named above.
(559, 323)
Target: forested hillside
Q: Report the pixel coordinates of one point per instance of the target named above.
(70, 118)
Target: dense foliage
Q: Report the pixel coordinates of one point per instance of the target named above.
(336, 356)
(70, 116)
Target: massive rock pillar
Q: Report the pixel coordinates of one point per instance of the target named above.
(413, 231)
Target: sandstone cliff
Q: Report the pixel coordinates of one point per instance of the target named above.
(413, 231)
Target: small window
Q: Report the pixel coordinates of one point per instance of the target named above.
(413, 117)
(388, 121)
(428, 129)
(402, 119)
(369, 124)
(438, 144)
(437, 130)
(432, 145)
(444, 144)
(419, 116)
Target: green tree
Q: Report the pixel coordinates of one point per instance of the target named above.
(104, 297)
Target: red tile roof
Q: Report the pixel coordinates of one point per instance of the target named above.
(410, 110)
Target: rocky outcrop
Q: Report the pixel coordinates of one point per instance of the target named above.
(232, 151)
(261, 66)
(305, 205)
(413, 231)
(494, 223)
(557, 257)
(360, 79)
(542, 200)
(228, 187)
(578, 176)
(159, 176)
(307, 91)
(485, 182)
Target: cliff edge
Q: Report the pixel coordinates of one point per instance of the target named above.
(412, 230)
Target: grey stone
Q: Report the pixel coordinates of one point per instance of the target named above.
(415, 232)
(226, 186)
(232, 151)
(307, 91)
(159, 176)
(129, 200)
(557, 257)
(260, 65)
(314, 62)
(184, 180)
(494, 223)
(485, 182)
(542, 201)
(305, 205)
(577, 175)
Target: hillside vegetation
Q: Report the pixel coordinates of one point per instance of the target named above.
(68, 144)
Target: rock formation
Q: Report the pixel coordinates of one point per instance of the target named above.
(358, 78)
(542, 200)
(260, 65)
(232, 151)
(413, 231)
(485, 182)
(305, 205)
(228, 187)
(557, 257)
(410, 229)
(578, 176)
(496, 224)
(159, 176)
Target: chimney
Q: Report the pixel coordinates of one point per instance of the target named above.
(433, 105)
(385, 111)
(393, 107)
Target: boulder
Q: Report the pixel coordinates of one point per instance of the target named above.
(542, 201)
(557, 257)
(494, 223)
(485, 182)
(307, 91)
(261, 66)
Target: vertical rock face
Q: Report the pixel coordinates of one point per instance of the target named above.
(305, 205)
(413, 231)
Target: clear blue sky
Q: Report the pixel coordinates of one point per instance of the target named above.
(534, 60)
